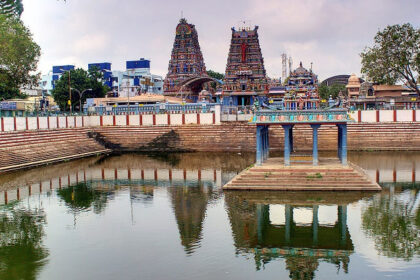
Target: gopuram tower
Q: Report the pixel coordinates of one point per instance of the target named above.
(186, 71)
(245, 76)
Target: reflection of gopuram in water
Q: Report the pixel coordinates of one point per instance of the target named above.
(190, 204)
(254, 217)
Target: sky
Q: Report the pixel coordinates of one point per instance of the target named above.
(329, 33)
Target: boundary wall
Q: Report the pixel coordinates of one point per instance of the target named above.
(177, 119)
(383, 116)
(56, 122)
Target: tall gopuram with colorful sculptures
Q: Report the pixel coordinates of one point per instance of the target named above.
(245, 76)
(187, 71)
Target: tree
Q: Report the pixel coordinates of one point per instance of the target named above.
(395, 56)
(11, 7)
(215, 75)
(80, 80)
(19, 56)
(333, 90)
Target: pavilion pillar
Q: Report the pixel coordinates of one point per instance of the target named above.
(264, 144)
(315, 224)
(315, 143)
(267, 143)
(342, 218)
(339, 142)
(291, 139)
(343, 139)
(287, 129)
(259, 145)
(288, 212)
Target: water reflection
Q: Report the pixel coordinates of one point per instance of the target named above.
(302, 235)
(189, 204)
(391, 218)
(22, 252)
(264, 224)
(81, 197)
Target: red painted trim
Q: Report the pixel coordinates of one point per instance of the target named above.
(169, 119)
(142, 174)
(129, 174)
(377, 115)
(377, 175)
(141, 119)
(48, 122)
(414, 116)
(170, 175)
(183, 118)
(198, 118)
(394, 175)
(83, 121)
(75, 122)
(103, 173)
(68, 180)
(395, 115)
(154, 119)
(58, 122)
(127, 120)
(30, 189)
(185, 174)
(155, 174)
(115, 173)
(199, 175)
(37, 122)
(5, 197)
(84, 175)
(214, 175)
(2, 124)
(413, 175)
(214, 118)
(67, 122)
(27, 123)
(114, 120)
(101, 121)
(359, 116)
(14, 123)
(40, 187)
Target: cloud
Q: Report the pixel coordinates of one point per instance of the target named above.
(329, 33)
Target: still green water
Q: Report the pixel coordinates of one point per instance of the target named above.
(165, 217)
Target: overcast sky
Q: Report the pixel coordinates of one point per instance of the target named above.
(329, 33)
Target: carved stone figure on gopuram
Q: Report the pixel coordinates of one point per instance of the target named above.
(186, 72)
(245, 76)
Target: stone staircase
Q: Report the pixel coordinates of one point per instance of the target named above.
(29, 148)
(330, 175)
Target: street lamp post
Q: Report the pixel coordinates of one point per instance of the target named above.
(80, 96)
(63, 70)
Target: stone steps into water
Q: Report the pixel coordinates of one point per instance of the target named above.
(330, 175)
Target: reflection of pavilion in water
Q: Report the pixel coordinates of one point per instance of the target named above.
(294, 233)
(190, 204)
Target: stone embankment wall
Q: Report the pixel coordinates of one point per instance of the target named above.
(236, 137)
